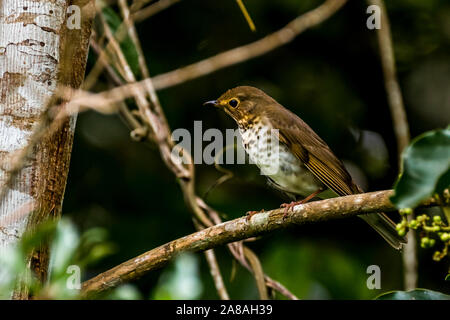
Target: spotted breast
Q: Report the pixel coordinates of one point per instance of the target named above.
(284, 171)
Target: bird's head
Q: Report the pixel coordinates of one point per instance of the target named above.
(242, 103)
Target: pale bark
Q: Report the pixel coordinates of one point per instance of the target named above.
(38, 52)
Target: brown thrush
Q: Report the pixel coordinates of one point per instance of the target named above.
(291, 155)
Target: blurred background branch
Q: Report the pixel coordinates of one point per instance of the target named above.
(401, 129)
(230, 57)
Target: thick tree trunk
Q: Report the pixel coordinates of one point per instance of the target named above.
(41, 48)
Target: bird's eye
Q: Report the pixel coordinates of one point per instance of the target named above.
(233, 102)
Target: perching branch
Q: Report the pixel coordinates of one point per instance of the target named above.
(239, 229)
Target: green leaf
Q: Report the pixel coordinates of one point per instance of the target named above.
(93, 246)
(63, 248)
(124, 292)
(12, 264)
(426, 169)
(181, 281)
(417, 294)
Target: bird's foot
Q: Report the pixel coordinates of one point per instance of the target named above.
(250, 214)
(289, 206)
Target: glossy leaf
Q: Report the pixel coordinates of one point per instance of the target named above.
(426, 169)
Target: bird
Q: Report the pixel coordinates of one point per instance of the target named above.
(294, 159)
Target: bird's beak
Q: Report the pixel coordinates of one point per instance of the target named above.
(211, 103)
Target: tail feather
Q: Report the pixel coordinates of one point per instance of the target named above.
(386, 228)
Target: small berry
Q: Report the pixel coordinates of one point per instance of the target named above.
(437, 219)
(405, 211)
(437, 256)
(424, 242)
(445, 236)
(413, 224)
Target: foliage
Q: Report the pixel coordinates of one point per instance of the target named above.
(426, 172)
(181, 281)
(70, 253)
(317, 271)
(426, 169)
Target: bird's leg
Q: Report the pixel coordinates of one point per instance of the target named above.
(289, 206)
(250, 214)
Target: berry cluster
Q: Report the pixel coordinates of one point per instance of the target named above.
(431, 229)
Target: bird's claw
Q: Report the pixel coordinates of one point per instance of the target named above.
(288, 206)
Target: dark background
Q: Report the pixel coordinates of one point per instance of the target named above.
(331, 77)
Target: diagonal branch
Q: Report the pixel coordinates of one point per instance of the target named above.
(239, 229)
(139, 15)
(252, 50)
(222, 60)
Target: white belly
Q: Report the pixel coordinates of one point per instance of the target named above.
(277, 162)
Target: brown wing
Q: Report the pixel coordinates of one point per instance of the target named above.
(312, 151)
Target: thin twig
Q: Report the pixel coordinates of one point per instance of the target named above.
(227, 58)
(393, 91)
(258, 273)
(151, 10)
(97, 69)
(401, 129)
(214, 270)
(280, 288)
(252, 50)
(216, 275)
(138, 4)
(143, 66)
